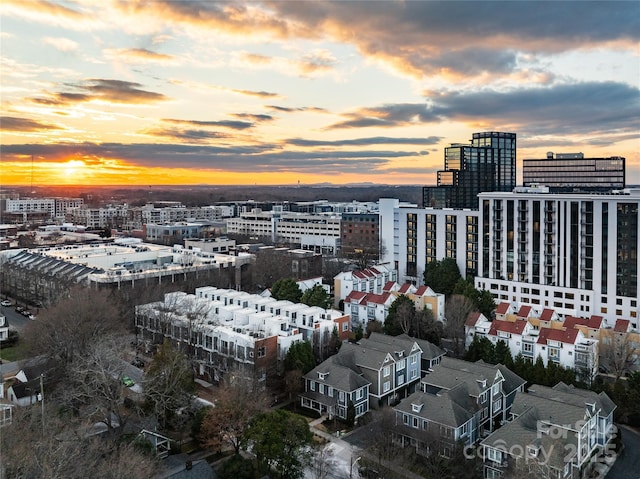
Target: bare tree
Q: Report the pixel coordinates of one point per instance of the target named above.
(72, 327)
(96, 387)
(323, 463)
(227, 423)
(67, 449)
(457, 308)
(617, 352)
(168, 382)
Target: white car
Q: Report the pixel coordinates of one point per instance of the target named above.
(6, 302)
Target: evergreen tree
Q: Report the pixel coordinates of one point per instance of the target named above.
(442, 276)
(481, 348)
(502, 353)
(401, 316)
(300, 357)
(316, 296)
(286, 289)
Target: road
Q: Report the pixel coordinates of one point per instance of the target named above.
(16, 320)
(627, 465)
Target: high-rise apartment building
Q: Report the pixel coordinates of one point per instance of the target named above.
(575, 253)
(573, 172)
(487, 164)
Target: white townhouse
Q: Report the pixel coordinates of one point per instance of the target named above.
(368, 280)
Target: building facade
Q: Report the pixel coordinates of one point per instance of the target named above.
(421, 235)
(574, 253)
(360, 234)
(488, 163)
(572, 171)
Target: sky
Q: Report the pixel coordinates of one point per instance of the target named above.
(127, 92)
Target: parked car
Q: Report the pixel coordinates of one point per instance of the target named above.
(127, 381)
(32, 317)
(26, 313)
(19, 309)
(6, 302)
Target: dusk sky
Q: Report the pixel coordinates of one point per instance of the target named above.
(197, 92)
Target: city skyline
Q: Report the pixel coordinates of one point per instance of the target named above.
(313, 92)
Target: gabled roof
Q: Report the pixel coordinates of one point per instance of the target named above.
(547, 314)
(571, 394)
(567, 336)
(472, 319)
(339, 372)
(405, 288)
(513, 327)
(429, 350)
(355, 297)
(442, 408)
(524, 311)
(390, 286)
(503, 308)
(592, 323)
(622, 326)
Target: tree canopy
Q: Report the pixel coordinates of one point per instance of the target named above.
(300, 357)
(316, 296)
(442, 276)
(286, 289)
(280, 441)
(482, 299)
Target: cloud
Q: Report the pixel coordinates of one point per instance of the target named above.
(285, 109)
(113, 91)
(62, 44)
(249, 159)
(236, 125)
(569, 109)
(12, 123)
(189, 135)
(391, 115)
(260, 94)
(377, 140)
(139, 55)
(256, 118)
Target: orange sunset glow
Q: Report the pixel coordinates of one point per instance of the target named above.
(110, 93)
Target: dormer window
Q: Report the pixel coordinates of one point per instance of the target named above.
(532, 451)
(400, 353)
(321, 376)
(416, 407)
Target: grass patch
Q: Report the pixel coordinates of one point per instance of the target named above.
(12, 353)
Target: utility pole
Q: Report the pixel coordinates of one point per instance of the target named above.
(42, 401)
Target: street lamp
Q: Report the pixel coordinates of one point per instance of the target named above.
(353, 463)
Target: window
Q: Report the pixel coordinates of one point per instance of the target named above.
(416, 422)
(312, 385)
(329, 391)
(386, 387)
(386, 371)
(494, 455)
(262, 351)
(401, 364)
(414, 359)
(341, 396)
(345, 326)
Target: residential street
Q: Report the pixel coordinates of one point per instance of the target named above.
(627, 466)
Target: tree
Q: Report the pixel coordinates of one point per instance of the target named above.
(316, 296)
(617, 352)
(66, 448)
(482, 299)
(227, 423)
(168, 382)
(373, 327)
(280, 441)
(237, 467)
(442, 276)
(323, 464)
(502, 354)
(300, 356)
(351, 413)
(286, 289)
(96, 384)
(457, 308)
(400, 316)
(480, 348)
(72, 327)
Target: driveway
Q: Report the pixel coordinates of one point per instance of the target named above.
(627, 465)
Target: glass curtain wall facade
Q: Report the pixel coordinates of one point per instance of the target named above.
(487, 164)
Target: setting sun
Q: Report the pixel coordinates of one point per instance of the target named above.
(73, 168)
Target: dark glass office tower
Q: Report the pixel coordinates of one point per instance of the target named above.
(487, 164)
